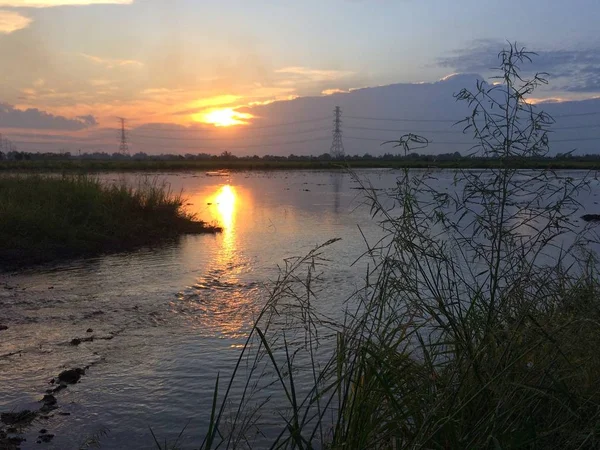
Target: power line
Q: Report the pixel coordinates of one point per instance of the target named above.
(395, 119)
(473, 142)
(404, 131)
(575, 140)
(430, 142)
(228, 139)
(389, 119)
(579, 127)
(85, 141)
(458, 131)
(250, 127)
(271, 144)
(576, 115)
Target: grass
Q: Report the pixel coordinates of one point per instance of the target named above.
(477, 326)
(44, 218)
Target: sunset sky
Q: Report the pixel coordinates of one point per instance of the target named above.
(186, 62)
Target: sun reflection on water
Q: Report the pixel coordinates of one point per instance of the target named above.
(226, 203)
(223, 297)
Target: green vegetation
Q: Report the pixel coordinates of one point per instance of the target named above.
(477, 326)
(415, 161)
(43, 218)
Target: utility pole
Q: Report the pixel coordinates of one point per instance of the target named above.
(337, 146)
(123, 144)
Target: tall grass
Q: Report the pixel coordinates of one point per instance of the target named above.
(477, 326)
(43, 217)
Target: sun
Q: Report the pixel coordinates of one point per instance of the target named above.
(224, 117)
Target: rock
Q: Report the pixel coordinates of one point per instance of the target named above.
(77, 341)
(71, 376)
(24, 417)
(49, 399)
(50, 402)
(46, 437)
(89, 330)
(11, 443)
(591, 217)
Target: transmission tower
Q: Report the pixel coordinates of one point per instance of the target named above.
(337, 146)
(123, 144)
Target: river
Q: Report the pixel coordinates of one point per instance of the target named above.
(167, 320)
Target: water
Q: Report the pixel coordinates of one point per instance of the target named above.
(167, 320)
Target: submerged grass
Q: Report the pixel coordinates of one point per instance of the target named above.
(477, 326)
(43, 218)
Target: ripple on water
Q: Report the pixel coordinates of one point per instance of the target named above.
(179, 312)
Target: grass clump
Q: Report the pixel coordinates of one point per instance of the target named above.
(477, 326)
(45, 217)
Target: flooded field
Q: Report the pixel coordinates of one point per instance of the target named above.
(154, 327)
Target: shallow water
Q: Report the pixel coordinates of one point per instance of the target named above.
(167, 320)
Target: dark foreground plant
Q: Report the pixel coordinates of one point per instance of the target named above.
(43, 217)
(477, 327)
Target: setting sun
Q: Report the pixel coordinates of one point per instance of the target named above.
(223, 117)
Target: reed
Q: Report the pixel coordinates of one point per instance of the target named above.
(44, 217)
(477, 326)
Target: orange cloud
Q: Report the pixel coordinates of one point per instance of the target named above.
(214, 101)
(314, 74)
(11, 21)
(333, 91)
(51, 3)
(111, 63)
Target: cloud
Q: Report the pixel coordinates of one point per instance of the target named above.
(577, 70)
(314, 74)
(88, 120)
(52, 3)
(11, 21)
(33, 118)
(97, 82)
(334, 91)
(199, 105)
(111, 63)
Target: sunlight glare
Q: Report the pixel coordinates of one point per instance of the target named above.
(225, 117)
(225, 201)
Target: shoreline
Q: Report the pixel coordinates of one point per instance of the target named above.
(150, 165)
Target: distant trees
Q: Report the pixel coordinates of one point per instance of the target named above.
(229, 156)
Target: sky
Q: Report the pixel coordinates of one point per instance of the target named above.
(73, 67)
